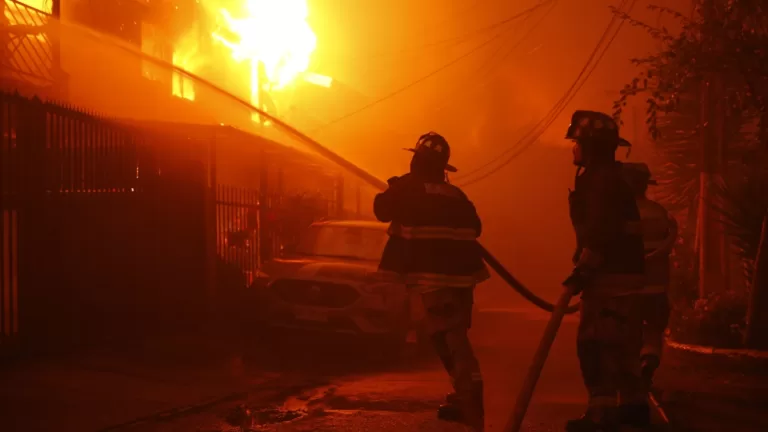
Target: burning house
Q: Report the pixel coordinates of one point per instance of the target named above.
(257, 50)
(181, 196)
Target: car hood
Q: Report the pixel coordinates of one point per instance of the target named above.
(319, 268)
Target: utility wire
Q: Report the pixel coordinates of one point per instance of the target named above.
(454, 40)
(513, 48)
(523, 146)
(547, 121)
(551, 119)
(554, 110)
(473, 6)
(433, 73)
(484, 81)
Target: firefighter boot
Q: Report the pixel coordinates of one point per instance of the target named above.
(469, 410)
(450, 410)
(594, 420)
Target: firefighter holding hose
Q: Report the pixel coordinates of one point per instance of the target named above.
(432, 248)
(609, 275)
(659, 237)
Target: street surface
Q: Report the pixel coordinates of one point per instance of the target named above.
(354, 387)
(294, 382)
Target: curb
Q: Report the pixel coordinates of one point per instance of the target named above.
(722, 352)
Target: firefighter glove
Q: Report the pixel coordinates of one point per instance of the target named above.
(577, 280)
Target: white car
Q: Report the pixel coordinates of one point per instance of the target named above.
(327, 282)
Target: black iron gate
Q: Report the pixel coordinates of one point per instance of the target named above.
(113, 229)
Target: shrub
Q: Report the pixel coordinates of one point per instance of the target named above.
(717, 320)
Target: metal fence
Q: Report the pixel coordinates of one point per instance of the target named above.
(237, 230)
(67, 180)
(113, 229)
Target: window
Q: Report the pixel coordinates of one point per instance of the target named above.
(346, 242)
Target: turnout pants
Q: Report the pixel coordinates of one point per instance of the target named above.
(656, 318)
(609, 342)
(448, 317)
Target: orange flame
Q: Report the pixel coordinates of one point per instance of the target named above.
(272, 37)
(274, 33)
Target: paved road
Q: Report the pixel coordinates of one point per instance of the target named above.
(299, 383)
(354, 387)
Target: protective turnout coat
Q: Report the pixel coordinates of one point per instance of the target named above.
(607, 222)
(432, 236)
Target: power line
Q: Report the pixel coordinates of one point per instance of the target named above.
(551, 119)
(521, 146)
(433, 73)
(471, 7)
(525, 36)
(455, 40)
(512, 49)
(554, 110)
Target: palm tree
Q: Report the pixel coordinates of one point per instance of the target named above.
(743, 205)
(722, 41)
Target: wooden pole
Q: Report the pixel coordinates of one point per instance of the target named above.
(720, 155)
(704, 223)
(358, 209)
(711, 238)
(757, 322)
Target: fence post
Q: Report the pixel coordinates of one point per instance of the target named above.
(264, 207)
(211, 226)
(358, 203)
(339, 196)
(277, 239)
(38, 306)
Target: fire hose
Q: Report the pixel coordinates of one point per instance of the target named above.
(558, 310)
(315, 146)
(358, 172)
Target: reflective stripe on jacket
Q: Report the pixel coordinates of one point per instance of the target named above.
(433, 279)
(432, 232)
(432, 236)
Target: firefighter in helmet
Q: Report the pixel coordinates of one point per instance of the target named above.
(433, 249)
(659, 237)
(609, 273)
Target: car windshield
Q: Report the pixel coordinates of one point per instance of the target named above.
(350, 242)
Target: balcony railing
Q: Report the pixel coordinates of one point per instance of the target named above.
(27, 51)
